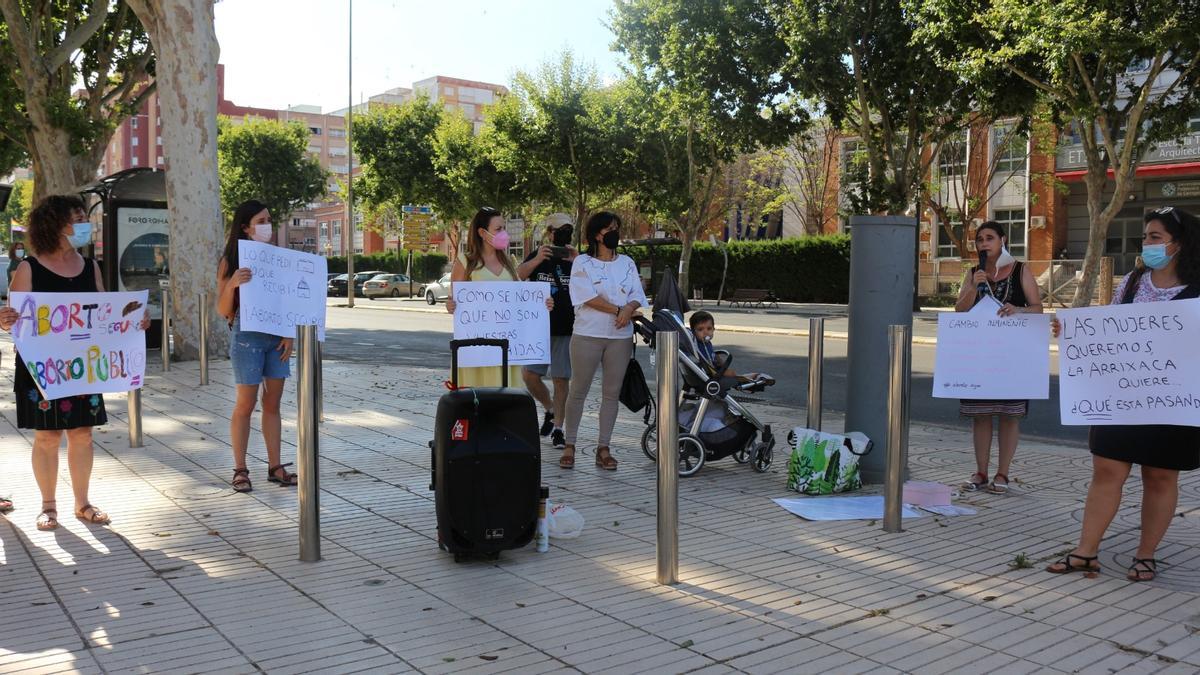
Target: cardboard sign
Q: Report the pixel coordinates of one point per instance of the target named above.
(508, 310)
(984, 356)
(1130, 364)
(286, 289)
(81, 343)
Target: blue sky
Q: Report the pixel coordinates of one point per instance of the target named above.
(288, 52)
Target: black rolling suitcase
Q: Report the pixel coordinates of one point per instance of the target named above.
(486, 464)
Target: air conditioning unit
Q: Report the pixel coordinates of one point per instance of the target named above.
(1037, 222)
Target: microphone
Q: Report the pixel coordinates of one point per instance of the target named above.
(982, 289)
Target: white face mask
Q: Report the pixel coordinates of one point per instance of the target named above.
(262, 232)
(20, 253)
(1005, 258)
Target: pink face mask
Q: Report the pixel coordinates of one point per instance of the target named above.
(500, 240)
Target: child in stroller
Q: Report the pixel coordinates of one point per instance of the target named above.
(712, 424)
(704, 327)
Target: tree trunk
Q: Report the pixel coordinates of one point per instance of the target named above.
(186, 44)
(688, 240)
(1099, 218)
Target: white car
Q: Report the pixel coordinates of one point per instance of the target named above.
(436, 290)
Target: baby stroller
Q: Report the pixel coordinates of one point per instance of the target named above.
(712, 425)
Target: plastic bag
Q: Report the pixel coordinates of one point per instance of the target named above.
(564, 521)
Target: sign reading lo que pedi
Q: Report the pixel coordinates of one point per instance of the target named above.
(1131, 364)
(81, 343)
(503, 310)
(286, 289)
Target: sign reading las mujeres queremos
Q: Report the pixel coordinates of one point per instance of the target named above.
(81, 343)
(286, 289)
(1130, 364)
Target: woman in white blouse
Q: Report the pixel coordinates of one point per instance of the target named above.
(606, 291)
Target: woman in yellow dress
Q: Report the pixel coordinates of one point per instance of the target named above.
(486, 260)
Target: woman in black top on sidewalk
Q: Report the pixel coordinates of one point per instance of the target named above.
(1012, 285)
(58, 226)
(1171, 255)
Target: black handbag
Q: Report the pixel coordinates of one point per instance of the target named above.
(635, 393)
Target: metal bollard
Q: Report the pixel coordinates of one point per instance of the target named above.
(166, 329)
(307, 446)
(666, 348)
(203, 339)
(135, 418)
(816, 358)
(897, 436)
(320, 383)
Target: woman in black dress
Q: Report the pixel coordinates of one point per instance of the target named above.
(57, 227)
(1014, 288)
(1171, 258)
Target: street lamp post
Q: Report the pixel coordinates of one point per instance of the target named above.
(349, 229)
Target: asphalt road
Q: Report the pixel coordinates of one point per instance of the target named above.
(413, 338)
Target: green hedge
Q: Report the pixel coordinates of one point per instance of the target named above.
(812, 269)
(425, 266)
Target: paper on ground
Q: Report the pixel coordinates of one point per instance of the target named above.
(841, 508)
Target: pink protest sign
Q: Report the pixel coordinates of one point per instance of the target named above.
(81, 343)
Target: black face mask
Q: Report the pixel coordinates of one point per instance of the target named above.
(562, 236)
(611, 239)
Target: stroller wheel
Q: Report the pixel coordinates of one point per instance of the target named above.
(691, 455)
(650, 442)
(764, 454)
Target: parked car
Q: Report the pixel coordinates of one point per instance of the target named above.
(393, 285)
(337, 285)
(436, 290)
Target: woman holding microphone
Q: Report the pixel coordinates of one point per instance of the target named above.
(1013, 287)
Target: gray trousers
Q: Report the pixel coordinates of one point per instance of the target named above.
(587, 354)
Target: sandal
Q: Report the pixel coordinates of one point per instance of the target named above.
(284, 480)
(1142, 567)
(605, 460)
(6, 505)
(241, 480)
(999, 488)
(1067, 567)
(92, 515)
(48, 519)
(976, 485)
(567, 461)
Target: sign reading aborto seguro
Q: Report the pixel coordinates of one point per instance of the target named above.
(286, 289)
(1130, 364)
(984, 356)
(81, 343)
(503, 310)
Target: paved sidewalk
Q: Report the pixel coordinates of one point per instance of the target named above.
(194, 578)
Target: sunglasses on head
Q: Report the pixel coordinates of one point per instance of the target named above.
(1168, 211)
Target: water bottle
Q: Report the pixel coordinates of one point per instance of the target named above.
(541, 536)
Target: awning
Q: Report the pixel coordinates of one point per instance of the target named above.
(1144, 171)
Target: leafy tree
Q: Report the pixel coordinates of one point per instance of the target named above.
(266, 160)
(810, 160)
(1101, 67)
(75, 69)
(395, 147)
(704, 88)
(559, 134)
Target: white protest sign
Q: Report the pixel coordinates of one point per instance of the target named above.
(984, 356)
(286, 289)
(1130, 364)
(81, 343)
(507, 310)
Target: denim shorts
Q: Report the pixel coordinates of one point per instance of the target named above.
(255, 356)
